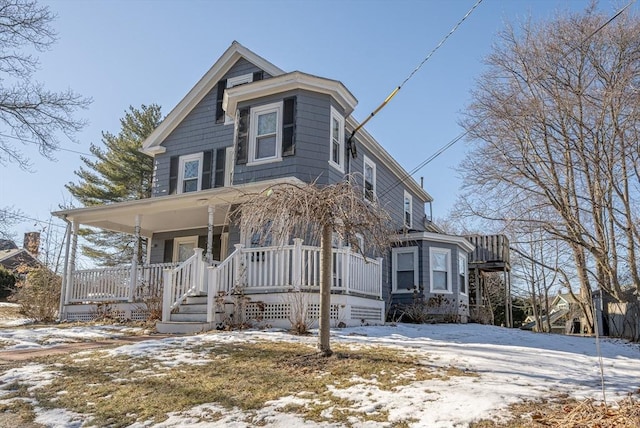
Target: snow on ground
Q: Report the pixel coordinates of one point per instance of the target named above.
(512, 365)
(11, 321)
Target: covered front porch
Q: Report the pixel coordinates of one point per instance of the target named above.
(199, 281)
(263, 285)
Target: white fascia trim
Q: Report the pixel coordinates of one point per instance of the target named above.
(153, 151)
(203, 87)
(226, 195)
(385, 158)
(437, 237)
(289, 82)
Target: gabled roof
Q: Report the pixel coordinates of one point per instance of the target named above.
(12, 258)
(236, 51)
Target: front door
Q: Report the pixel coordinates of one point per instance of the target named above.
(183, 248)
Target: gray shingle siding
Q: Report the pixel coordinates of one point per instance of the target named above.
(198, 131)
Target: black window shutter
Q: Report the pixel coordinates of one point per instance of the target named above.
(202, 243)
(289, 127)
(174, 164)
(258, 75)
(222, 85)
(168, 251)
(242, 140)
(219, 170)
(207, 159)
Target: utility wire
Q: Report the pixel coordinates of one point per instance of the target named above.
(57, 148)
(24, 217)
(461, 136)
(415, 70)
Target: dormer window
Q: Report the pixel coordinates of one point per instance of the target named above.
(336, 152)
(266, 133)
(266, 136)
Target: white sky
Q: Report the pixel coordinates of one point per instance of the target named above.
(123, 53)
(512, 365)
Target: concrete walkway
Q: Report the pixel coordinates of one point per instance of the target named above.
(12, 356)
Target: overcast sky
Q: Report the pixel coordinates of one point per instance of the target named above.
(123, 53)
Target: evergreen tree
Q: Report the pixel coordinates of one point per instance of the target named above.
(120, 173)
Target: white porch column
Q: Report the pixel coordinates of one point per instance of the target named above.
(238, 265)
(71, 260)
(134, 261)
(296, 264)
(65, 283)
(210, 210)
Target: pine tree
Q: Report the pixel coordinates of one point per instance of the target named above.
(120, 173)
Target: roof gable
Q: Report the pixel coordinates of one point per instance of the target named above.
(152, 144)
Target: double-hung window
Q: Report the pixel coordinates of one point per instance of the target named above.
(369, 180)
(265, 143)
(405, 269)
(462, 273)
(190, 173)
(336, 155)
(440, 274)
(408, 210)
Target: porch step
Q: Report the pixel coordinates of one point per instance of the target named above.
(189, 317)
(172, 327)
(195, 300)
(193, 308)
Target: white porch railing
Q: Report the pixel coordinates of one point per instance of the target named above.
(188, 279)
(113, 284)
(295, 266)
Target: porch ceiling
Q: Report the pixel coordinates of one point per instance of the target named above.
(167, 213)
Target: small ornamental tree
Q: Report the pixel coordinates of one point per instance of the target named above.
(39, 294)
(285, 211)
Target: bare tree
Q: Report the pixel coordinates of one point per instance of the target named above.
(30, 113)
(284, 211)
(555, 122)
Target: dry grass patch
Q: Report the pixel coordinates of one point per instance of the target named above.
(564, 412)
(118, 391)
(10, 312)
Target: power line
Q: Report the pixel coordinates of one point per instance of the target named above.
(415, 70)
(57, 148)
(537, 77)
(24, 217)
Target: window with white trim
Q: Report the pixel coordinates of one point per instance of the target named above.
(369, 172)
(404, 261)
(236, 81)
(265, 142)
(336, 151)
(462, 273)
(190, 173)
(408, 210)
(183, 248)
(440, 270)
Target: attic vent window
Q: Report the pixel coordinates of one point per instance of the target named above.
(236, 81)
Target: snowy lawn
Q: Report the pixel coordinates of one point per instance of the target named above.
(441, 375)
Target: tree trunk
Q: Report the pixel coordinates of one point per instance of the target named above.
(325, 292)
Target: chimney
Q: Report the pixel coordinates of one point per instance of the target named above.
(32, 242)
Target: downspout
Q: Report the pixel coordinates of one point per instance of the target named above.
(63, 288)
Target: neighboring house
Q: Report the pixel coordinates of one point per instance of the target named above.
(564, 315)
(13, 258)
(245, 125)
